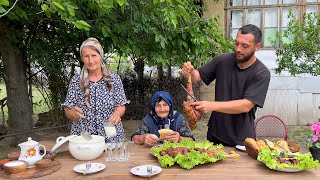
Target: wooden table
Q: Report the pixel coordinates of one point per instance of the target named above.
(243, 168)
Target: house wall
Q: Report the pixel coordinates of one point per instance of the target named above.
(294, 99)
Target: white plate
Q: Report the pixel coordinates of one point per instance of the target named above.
(142, 170)
(61, 143)
(289, 169)
(241, 148)
(95, 167)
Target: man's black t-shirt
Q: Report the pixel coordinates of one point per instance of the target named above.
(233, 83)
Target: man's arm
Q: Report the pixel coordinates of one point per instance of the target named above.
(227, 107)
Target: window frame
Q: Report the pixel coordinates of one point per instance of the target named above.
(300, 6)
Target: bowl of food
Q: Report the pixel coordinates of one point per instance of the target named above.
(43, 163)
(3, 161)
(14, 167)
(49, 154)
(83, 149)
(14, 155)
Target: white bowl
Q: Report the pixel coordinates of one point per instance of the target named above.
(82, 149)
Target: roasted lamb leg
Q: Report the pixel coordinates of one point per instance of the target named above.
(192, 114)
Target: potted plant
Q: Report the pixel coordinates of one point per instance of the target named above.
(313, 142)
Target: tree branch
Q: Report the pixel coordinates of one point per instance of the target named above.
(9, 9)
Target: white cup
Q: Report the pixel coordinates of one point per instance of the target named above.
(110, 129)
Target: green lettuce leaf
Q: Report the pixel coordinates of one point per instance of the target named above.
(193, 158)
(270, 159)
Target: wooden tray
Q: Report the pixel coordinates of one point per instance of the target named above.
(33, 172)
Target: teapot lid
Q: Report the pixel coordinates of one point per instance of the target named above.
(30, 142)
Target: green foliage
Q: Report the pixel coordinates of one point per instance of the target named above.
(4, 2)
(49, 33)
(39, 106)
(299, 54)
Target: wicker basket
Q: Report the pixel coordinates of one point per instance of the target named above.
(252, 152)
(293, 147)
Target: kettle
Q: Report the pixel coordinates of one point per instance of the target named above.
(30, 152)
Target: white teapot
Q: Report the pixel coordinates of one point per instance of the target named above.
(30, 152)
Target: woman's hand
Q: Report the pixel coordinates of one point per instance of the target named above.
(74, 113)
(173, 136)
(115, 118)
(150, 139)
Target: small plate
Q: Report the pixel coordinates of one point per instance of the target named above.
(95, 167)
(142, 170)
(241, 148)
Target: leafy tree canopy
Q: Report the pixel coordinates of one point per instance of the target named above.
(157, 30)
(299, 46)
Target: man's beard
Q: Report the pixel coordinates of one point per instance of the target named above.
(244, 59)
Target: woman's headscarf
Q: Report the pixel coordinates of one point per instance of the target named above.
(94, 44)
(167, 98)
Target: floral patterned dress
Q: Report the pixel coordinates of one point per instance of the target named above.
(102, 104)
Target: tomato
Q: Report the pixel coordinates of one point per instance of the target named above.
(3, 161)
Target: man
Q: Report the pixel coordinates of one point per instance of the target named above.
(241, 86)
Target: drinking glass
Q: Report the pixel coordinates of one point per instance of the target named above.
(123, 151)
(111, 151)
(131, 147)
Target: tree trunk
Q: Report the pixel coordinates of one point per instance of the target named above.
(30, 85)
(170, 69)
(18, 101)
(139, 67)
(160, 72)
(58, 89)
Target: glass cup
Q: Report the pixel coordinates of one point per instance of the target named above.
(110, 129)
(111, 151)
(131, 147)
(123, 151)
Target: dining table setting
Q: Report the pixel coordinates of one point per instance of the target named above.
(141, 161)
(141, 157)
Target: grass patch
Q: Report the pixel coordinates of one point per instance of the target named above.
(39, 106)
(299, 135)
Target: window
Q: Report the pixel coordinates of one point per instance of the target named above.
(270, 16)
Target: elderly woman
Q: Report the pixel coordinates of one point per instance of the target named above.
(96, 96)
(162, 114)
